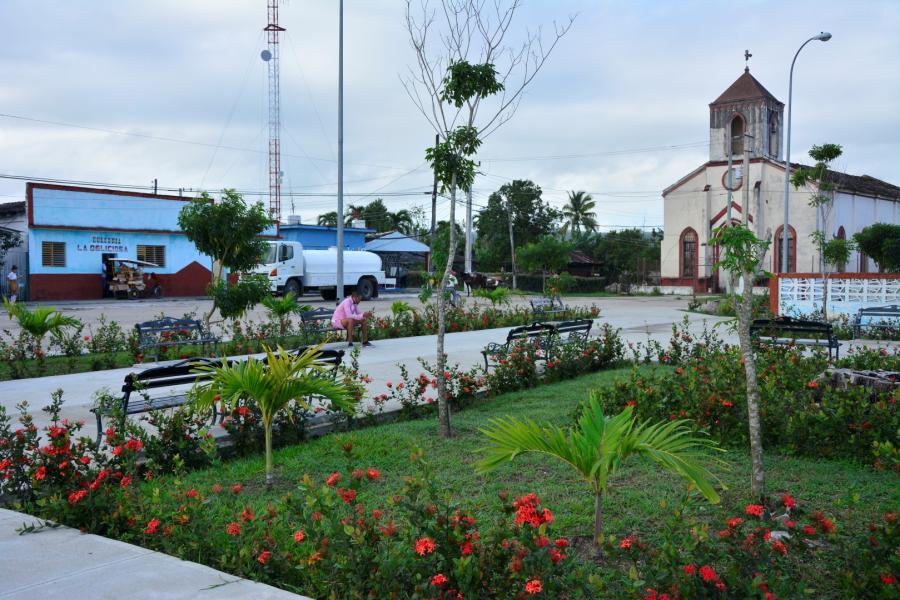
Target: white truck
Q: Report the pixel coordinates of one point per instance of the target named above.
(292, 269)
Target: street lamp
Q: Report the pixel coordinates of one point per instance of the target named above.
(822, 37)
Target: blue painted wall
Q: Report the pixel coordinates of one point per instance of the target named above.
(316, 237)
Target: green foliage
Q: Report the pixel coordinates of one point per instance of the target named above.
(440, 248)
(561, 282)
(818, 175)
(498, 296)
(282, 380)
(234, 299)
(466, 82)
(328, 219)
(282, 308)
(881, 242)
(625, 255)
(399, 307)
(8, 240)
(547, 253)
(450, 159)
(579, 213)
(836, 252)
(226, 230)
(532, 218)
(38, 323)
(597, 447)
(741, 251)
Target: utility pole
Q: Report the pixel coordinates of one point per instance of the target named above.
(437, 140)
(468, 252)
(154, 186)
(339, 287)
(745, 181)
(728, 200)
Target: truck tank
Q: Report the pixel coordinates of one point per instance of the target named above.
(355, 261)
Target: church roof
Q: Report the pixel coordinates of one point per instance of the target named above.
(745, 87)
(862, 184)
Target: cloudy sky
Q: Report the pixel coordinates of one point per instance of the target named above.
(123, 92)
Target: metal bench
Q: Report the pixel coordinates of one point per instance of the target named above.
(170, 332)
(316, 323)
(796, 332)
(539, 333)
(545, 307)
(877, 317)
(577, 329)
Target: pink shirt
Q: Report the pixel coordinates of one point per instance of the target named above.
(346, 310)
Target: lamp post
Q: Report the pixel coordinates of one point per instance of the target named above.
(822, 37)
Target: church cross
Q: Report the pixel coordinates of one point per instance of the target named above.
(747, 56)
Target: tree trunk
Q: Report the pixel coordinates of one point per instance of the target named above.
(745, 317)
(441, 364)
(270, 478)
(598, 521)
(512, 245)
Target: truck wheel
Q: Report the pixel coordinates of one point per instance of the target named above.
(328, 293)
(293, 287)
(365, 288)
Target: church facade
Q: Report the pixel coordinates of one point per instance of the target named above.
(747, 118)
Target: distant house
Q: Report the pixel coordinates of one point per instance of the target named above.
(582, 265)
(13, 220)
(399, 252)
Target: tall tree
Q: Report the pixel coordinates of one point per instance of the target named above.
(742, 254)
(548, 253)
(455, 76)
(329, 219)
(228, 232)
(531, 218)
(579, 213)
(881, 241)
(377, 216)
(402, 221)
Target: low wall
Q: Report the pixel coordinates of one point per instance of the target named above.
(794, 294)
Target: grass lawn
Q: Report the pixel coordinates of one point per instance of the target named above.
(851, 493)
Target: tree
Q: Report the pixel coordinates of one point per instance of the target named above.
(283, 378)
(403, 221)
(623, 254)
(456, 75)
(599, 445)
(548, 253)
(881, 241)
(228, 232)
(741, 256)
(353, 212)
(9, 239)
(531, 218)
(377, 216)
(38, 323)
(329, 219)
(579, 213)
(440, 249)
(282, 309)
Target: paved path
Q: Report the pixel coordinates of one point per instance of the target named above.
(63, 563)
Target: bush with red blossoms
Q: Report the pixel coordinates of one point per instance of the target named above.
(871, 568)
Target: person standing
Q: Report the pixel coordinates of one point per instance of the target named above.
(12, 279)
(347, 317)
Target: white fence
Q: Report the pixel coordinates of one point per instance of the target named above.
(802, 294)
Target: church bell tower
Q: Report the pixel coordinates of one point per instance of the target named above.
(746, 106)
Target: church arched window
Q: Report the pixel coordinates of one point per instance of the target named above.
(688, 253)
(736, 130)
(773, 135)
(792, 250)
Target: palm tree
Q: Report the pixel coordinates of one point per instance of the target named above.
(353, 211)
(281, 309)
(273, 384)
(329, 219)
(598, 446)
(579, 213)
(38, 323)
(402, 221)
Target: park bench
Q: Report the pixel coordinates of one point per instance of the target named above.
(170, 332)
(541, 334)
(184, 375)
(575, 330)
(316, 323)
(877, 317)
(786, 331)
(546, 307)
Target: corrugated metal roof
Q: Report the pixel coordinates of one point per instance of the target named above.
(396, 242)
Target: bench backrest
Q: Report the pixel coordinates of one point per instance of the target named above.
(541, 303)
(575, 326)
(529, 331)
(881, 311)
(159, 327)
(317, 314)
(789, 325)
(181, 373)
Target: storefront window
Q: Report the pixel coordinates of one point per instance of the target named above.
(53, 254)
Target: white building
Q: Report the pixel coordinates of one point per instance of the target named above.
(698, 203)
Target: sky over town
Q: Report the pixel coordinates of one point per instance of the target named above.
(118, 92)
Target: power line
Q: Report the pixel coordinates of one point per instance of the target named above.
(602, 153)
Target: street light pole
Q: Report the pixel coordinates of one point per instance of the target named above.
(339, 276)
(822, 37)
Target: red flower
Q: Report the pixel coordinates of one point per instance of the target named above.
(735, 522)
(534, 586)
(192, 493)
(439, 579)
(76, 497)
(134, 445)
(316, 516)
(264, 557)
(299, 535)
(465, 549)
(788, 501)
(233, 529)
(388, 529)
(561, 543)
(809, 530)
(690, 569)
(236, 488)
(542, 541)
(348, 495)
(372, 473)
(720, 585)
(216, 488)
(627, 542)
(888, 579)
(556, 556)
(425, 546)
(727, 403)
(332, 479)
(631, 403)
(778, 546)
(40, 473)
(247, 514)
(708, 573)
(126, 481)
(813, 385)
(152, 526)
(754, 510)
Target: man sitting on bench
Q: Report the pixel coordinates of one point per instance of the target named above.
(347, 317)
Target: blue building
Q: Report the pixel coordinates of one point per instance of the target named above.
(319, 237)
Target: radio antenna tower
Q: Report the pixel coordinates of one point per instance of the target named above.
(270, 56)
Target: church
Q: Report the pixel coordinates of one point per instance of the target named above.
(747, 118)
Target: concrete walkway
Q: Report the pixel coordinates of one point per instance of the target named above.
(63, 563)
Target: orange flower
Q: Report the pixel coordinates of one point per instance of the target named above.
(299, 535)
(425, 546)
(233, 529)
(534, 586)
